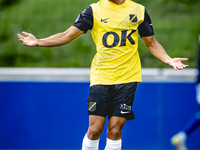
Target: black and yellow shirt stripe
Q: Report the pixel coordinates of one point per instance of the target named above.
(114, 30)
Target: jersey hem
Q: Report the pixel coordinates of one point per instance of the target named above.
(111, 83)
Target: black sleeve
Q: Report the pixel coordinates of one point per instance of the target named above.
(146, 28)
(84, 21)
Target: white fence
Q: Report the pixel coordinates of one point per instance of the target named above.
(82, 75)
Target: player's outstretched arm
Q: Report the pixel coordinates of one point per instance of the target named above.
(54, 40)
(158, 51)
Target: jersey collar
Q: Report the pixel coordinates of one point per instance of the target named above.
(109, 3)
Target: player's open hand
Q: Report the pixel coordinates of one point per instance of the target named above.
(29, 40)
(177, 64)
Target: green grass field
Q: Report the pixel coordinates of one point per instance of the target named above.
(176, 27)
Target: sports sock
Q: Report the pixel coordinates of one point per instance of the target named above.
(192, 124)
(90, 144)
(113, 144)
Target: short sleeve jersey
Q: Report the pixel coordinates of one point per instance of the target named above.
(114, 30)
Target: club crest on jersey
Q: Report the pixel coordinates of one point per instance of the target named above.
(133, 18)
(92, 106)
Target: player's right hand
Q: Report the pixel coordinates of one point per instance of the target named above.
(29, 40)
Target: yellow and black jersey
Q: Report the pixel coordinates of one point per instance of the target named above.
(114, 30)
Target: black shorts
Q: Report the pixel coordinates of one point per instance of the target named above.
(112, 100)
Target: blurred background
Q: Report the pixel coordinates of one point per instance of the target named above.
(43, 91)
(176, 24)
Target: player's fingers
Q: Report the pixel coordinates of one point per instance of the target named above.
(24, 43)
(184, 66)
(20, 37)
(25, 33)
(184, 59)
(175, 67)
(180, 68)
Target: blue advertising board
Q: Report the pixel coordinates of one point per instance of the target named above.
(53, 115)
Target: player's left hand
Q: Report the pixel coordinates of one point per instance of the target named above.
(177, 64)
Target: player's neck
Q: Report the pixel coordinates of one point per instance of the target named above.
(118, 2)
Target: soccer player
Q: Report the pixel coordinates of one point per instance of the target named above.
(179, 139)
(116, 68)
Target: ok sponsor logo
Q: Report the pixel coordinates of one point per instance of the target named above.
(122, 39)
